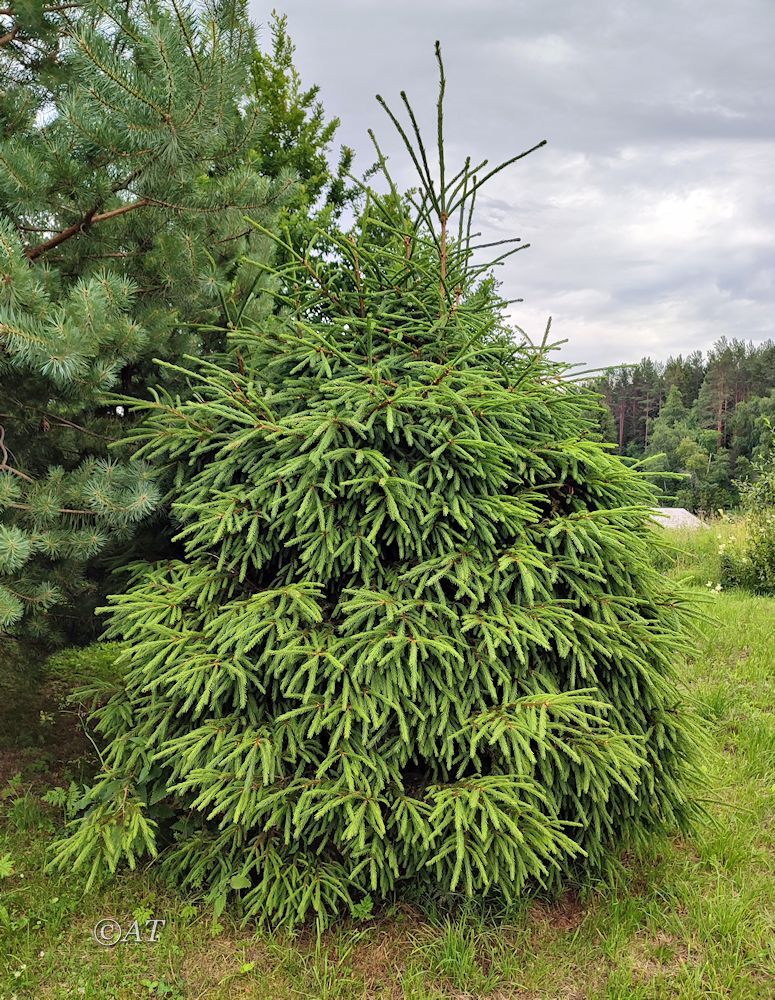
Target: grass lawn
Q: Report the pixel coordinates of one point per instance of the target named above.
(694, 918)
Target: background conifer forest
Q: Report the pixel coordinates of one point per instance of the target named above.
(705, 416)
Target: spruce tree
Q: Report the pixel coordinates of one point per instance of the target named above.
(134, 138)
(412, 637)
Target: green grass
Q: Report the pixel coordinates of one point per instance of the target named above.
(693, 918)
(697, 552)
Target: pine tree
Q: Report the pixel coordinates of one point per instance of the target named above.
(134, 140)
(412, 635)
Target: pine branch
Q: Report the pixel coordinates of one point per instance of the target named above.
(9, 36)
(5, 455)
(90, 219)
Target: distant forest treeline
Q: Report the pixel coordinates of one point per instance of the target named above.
(708, 414)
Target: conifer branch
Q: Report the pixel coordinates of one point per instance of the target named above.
(425, 180)
(5, 455)
(88, 220)
(497, 170)
(443, 215)
(9, 36)
(440, 130)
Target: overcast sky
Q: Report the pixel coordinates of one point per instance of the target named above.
(650, 212)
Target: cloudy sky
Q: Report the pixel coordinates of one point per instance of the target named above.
(650, 213)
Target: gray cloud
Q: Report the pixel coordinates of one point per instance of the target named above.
(650, 213)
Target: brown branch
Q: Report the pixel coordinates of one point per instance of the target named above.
(121, 211)
(33, 229)
(5, 455)
(59, 510)
(90, 219)
(9, 35)
(202, 209)
(237, 236)
(64, 422)
(81, 226)
(119, 255)
(444, 246)
(61, 421)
